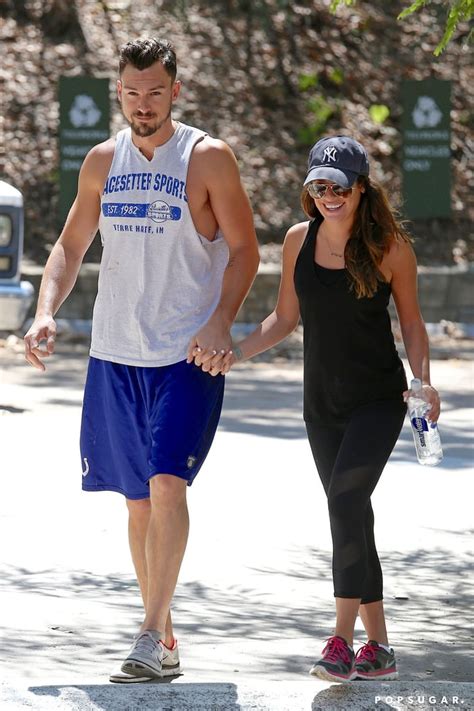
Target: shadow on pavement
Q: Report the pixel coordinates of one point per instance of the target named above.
(263, 407)
(429, 624)
(429, 629)
(342, 697)
(456, 442)
(373, 695)
(272, 407)
(260, 399)
(218, 696)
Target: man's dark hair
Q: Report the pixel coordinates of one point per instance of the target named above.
(141, 54)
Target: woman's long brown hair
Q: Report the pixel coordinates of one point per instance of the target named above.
(374, 231)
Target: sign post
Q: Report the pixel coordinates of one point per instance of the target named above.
(426, 148)
(84, 120)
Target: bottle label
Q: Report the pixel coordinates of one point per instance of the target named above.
(420, 425)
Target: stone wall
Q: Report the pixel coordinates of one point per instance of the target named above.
(445, 293)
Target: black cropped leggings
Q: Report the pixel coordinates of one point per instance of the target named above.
(350, 458)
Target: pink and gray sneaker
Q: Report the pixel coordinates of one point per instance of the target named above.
(337, 662)
(374, 662)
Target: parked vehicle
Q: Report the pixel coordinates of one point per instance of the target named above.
(15, 295)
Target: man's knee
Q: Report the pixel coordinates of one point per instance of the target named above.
(138, 508)
(167, 490)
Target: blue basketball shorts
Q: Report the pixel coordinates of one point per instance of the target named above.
(138, 422)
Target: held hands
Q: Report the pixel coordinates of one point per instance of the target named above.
(42, 329)
(211, 349)
(229, 360)
(429, 395)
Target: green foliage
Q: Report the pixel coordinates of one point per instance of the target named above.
(53, 176)
(336, 76)
(335, 4)
(379, 113)
(459, 10)
(321, 111)
(417, 5)
(307, 81)
(319, 107)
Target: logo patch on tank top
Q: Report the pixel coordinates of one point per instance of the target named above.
(160, 211)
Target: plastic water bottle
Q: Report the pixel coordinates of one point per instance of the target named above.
(425, 433)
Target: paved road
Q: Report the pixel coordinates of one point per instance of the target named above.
(254, 603)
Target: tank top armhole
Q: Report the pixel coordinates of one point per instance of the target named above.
(308, 240)
(197, 137)
(119, 138)
(313, 228)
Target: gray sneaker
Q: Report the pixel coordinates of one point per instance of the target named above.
(169, 667)
(170, 662)
(119, 677)
(146, 656)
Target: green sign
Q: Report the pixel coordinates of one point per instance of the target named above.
(84, 116)
(426, 148)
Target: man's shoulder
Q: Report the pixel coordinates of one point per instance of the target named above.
(104, 150)
(97, 163)
(211, 147)
(211, 157)
(205, 145)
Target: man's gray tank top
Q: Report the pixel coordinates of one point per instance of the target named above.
(159, 279)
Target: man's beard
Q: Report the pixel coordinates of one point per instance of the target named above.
(148, 129)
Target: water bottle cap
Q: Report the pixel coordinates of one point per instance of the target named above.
(415, 385)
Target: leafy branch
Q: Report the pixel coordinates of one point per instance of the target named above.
(459, 10)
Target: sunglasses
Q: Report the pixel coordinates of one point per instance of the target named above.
(318, 191)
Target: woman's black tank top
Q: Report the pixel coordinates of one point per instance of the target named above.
(350, 358)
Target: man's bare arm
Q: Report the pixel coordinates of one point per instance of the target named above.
(66, 257)
(231, 207)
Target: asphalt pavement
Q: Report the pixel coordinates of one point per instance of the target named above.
(254, 601)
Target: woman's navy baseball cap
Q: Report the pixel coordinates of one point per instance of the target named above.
(339, 158)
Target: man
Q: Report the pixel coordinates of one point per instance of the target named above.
(179, 256)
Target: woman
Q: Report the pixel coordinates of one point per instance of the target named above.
(339, 269)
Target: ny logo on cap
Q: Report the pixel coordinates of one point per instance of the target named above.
(330, 154)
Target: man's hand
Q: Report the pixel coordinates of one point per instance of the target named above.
(210, 345)
(42, 329)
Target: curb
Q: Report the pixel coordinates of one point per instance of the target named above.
(247, 695)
